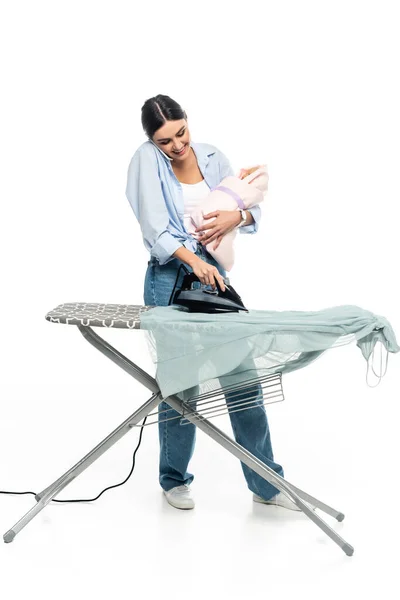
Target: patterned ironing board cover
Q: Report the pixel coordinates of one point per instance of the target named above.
(124, 316)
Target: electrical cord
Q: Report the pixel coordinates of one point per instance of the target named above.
(107, 488)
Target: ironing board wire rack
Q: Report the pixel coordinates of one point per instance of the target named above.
(248, 395)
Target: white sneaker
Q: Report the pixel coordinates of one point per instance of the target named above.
(180, 497)
(280, 500)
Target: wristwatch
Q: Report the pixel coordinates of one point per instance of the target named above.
(243, 221)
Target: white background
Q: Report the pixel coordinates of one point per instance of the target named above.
(311, 89)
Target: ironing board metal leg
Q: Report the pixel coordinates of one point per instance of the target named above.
(119, 359)
(45, 496)
(233, 447)
(297, 495)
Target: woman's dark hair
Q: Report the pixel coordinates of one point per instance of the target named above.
(157, 110)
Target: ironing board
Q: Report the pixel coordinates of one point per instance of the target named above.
(87, 315)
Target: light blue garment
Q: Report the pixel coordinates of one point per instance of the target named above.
(156, 197)
(191, 348)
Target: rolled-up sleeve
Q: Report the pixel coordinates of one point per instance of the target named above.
(144, 193)
(225, 171)
(253, 227)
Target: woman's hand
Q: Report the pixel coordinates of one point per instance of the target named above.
(225, 221)
(207, 273)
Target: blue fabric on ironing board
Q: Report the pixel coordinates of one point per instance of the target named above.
(191, 348)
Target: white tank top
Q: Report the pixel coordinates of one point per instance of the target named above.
(193, 194)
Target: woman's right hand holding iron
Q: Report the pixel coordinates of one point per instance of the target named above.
(207, 273)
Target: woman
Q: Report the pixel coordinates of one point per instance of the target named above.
(167, 176)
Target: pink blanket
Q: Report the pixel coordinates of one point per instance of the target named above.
(232, 193)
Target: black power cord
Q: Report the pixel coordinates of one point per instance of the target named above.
(107, 488)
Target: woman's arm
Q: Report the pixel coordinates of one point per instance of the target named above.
(185, 256)
(145, 196)
(253, 214)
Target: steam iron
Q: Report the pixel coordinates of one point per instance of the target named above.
(199, 297)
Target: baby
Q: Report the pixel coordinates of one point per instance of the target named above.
(232, 193)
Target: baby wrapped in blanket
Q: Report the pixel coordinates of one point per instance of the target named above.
(230, 194)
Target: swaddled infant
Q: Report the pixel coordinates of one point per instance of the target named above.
(230, 194)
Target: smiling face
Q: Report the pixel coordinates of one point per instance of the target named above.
(172, 137)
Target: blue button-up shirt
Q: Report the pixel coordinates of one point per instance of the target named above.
(156, 196)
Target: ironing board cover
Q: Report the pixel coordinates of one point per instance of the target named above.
(213, 350)
(94, 314)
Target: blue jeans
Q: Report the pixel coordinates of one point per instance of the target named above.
(250, 427)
